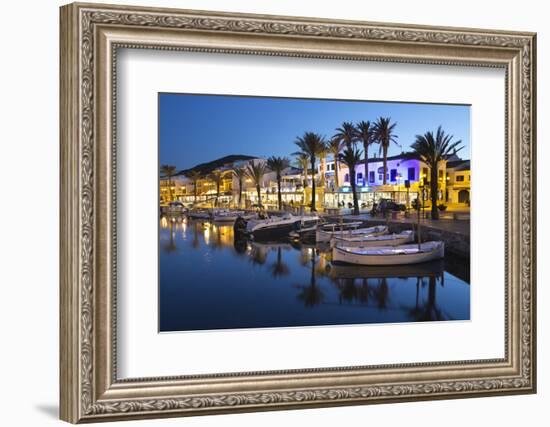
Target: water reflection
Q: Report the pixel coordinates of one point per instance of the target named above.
(370, 286)
(208, 280)
(310, 294)
(279, 268)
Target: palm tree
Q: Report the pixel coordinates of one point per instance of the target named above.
(346, 134)
(168, 171)
(432, 149)
(240, 174)
(334, 147)
(384, 134)
(217, 177)
(351, 157)
(278, 165)
(323, 163)
(303, 162)
(311, 144)
(256, 172)
(194, 176)
(365, 133)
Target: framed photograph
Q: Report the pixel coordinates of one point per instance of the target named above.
(266, 212)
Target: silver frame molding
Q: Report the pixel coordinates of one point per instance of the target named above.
(90, 37)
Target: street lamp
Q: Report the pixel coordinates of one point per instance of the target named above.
(422, 187)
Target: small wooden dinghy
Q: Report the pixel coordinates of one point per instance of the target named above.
(362, 241)
(390, 255)
(325, 235)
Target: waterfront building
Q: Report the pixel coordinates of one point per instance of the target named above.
(170, 190)
(458, 182)
(407, 178)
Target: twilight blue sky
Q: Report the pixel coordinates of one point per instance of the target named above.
(199, 128)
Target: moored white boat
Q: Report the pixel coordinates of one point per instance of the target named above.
(390, 255)
(325, 235)
(369, 240)
(279, 226)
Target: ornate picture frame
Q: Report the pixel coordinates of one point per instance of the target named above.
(90, 37)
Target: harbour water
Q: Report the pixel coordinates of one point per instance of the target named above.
(210, 281)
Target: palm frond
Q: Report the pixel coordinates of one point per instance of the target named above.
(278, 164)
(346, 134)
(256, 172)
(351, 157)
(384, 133)
(434, 148)
(168, 170)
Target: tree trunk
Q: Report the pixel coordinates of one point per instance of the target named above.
(385, 151)
(354, 191)
(336, 168)
(323, 174)
(259, 195)
(313, 209)
(433, 192)
(367, 163)
(240, 193)
(280, 197)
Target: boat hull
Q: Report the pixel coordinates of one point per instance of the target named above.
(398, 255)
(273, 233)
(274, 229)
(373, 241)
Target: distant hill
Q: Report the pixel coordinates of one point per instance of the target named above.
(205, 168)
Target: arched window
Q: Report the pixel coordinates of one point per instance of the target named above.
(346, 178)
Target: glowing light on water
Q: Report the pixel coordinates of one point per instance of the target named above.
(207, 233)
